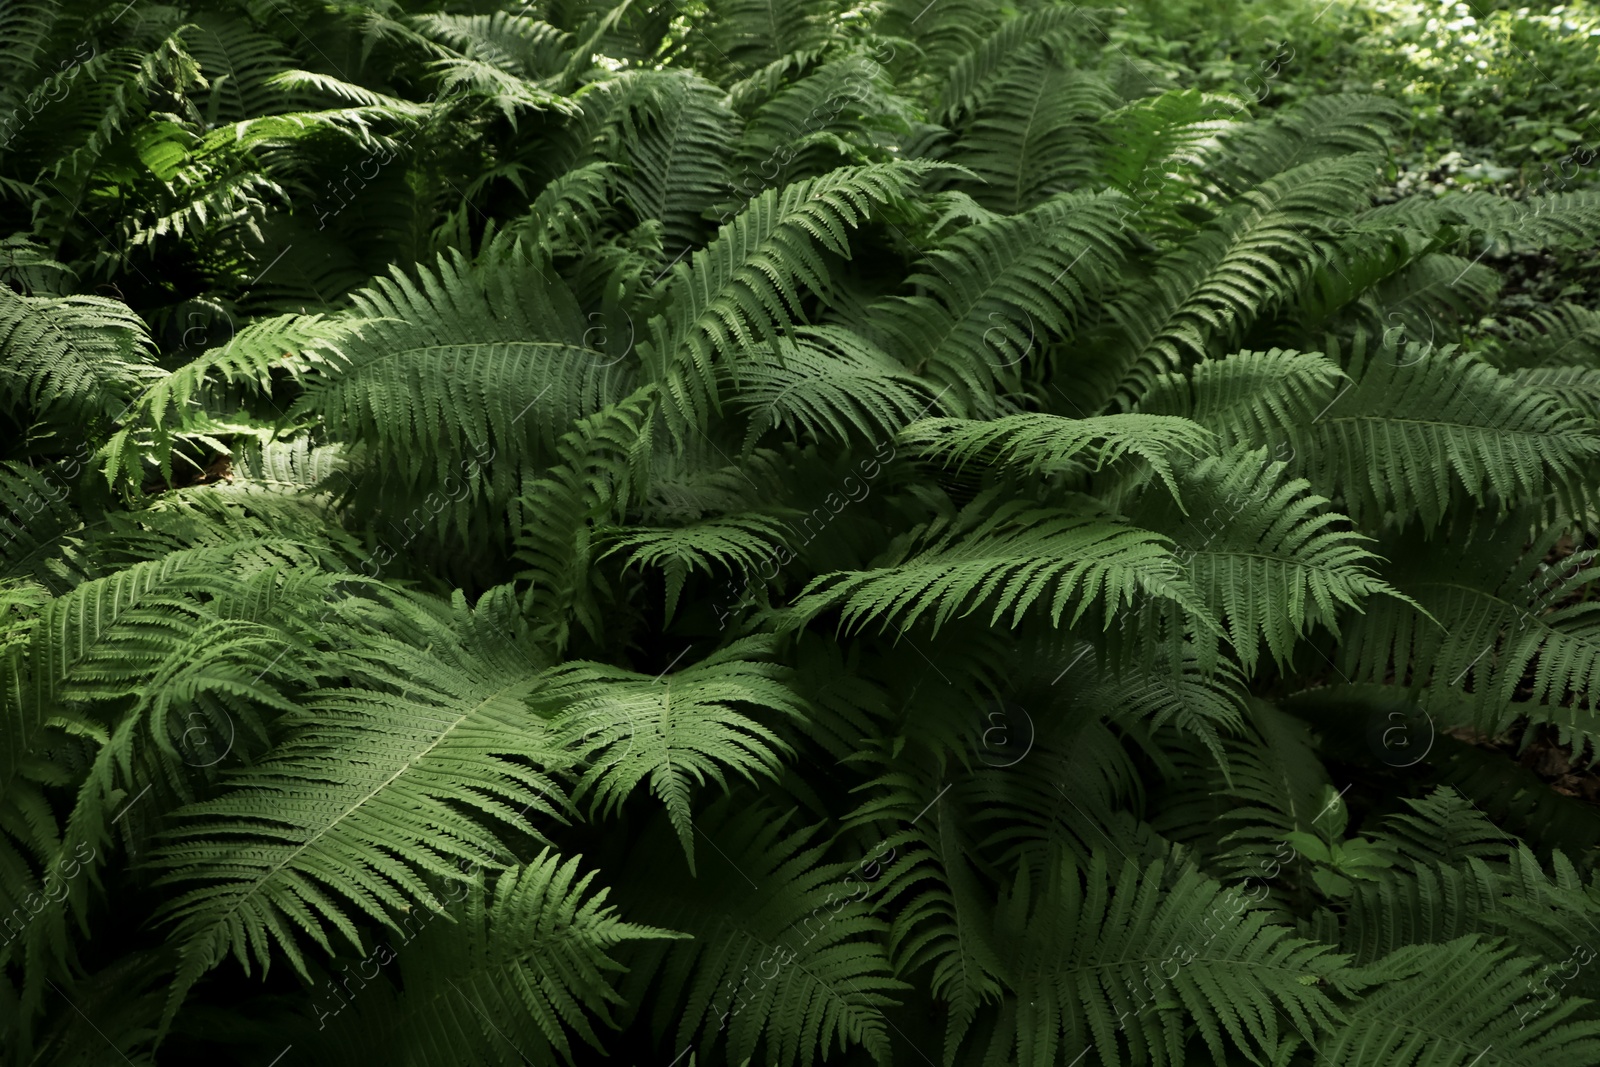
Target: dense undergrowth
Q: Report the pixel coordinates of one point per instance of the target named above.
(785, 532)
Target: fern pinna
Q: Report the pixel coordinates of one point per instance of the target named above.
(773, 533)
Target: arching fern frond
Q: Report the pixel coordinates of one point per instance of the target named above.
(1315, 128)
(1153, 147)
(518, 44)
(1009, 554)
(524, 967)
(676, 730)
(826, 381)
(996, 293)
(1255, 258)
(1407, 1017)
(380, 784)
(1551, 336)
(973, 75)
(832, 116)
(174, 407)
(602, 464)
(1576, 388)
(1258, 399)
(730, 543)
(460, 362)
(744, 35)
(239, 62)
(1518, 635)
(1382, 441)
(73, 359)
(1036, 132)
(1265, 555)
(786, 956)
(738, 291)
(676, 141)
(1048, 444)
(1081, 943)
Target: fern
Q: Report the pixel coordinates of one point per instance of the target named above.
(444, 374)
(1267, 558)
(741, 286)
(1034, 133)
(1012, 556)
(1410, 1019)
(1506, 624)
(525, 966)
(1256, 256)
(1441, 410)
(307, 847)
(1252, 398)
(1048, 444)
(781, 915)
(72, 359)
(252, 356)
(829, 382)
(782, 532)
(678, 136)
(1083, 944)
(1005, 48)
(1001, 290)
(677, 730)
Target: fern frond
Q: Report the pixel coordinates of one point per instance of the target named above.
(1316, 128)
(732, 543)
(1265, 555)
(238, 62)
(1277, 785)
(747, 34)
(1036, 132)
(1556, 220)
(1081, 942)
(676, 730)
(1259, 399)
(1382, 440)
(1576, 388)
(786, 957)
(164, 413)
(518, 44)
(349, 92)
(1418, 904)
(1048, 444)
(738, 291)
(833, 115)
(73, 358)
(1552, 336)
(826, 381)
(1443, 828)
(925, 874)
(1251, 261)
(35, 509)
(1153, 147)
(524, 965)
(460, 362)
(1011, 556)
(973, 75)
(1528, 645)
(676, 142)
(378, 785)
(998, 292)
(601, 464)
(1408, 1018)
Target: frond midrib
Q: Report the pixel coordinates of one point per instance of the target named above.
(510, 687)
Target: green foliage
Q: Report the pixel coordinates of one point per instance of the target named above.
(991, 548)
